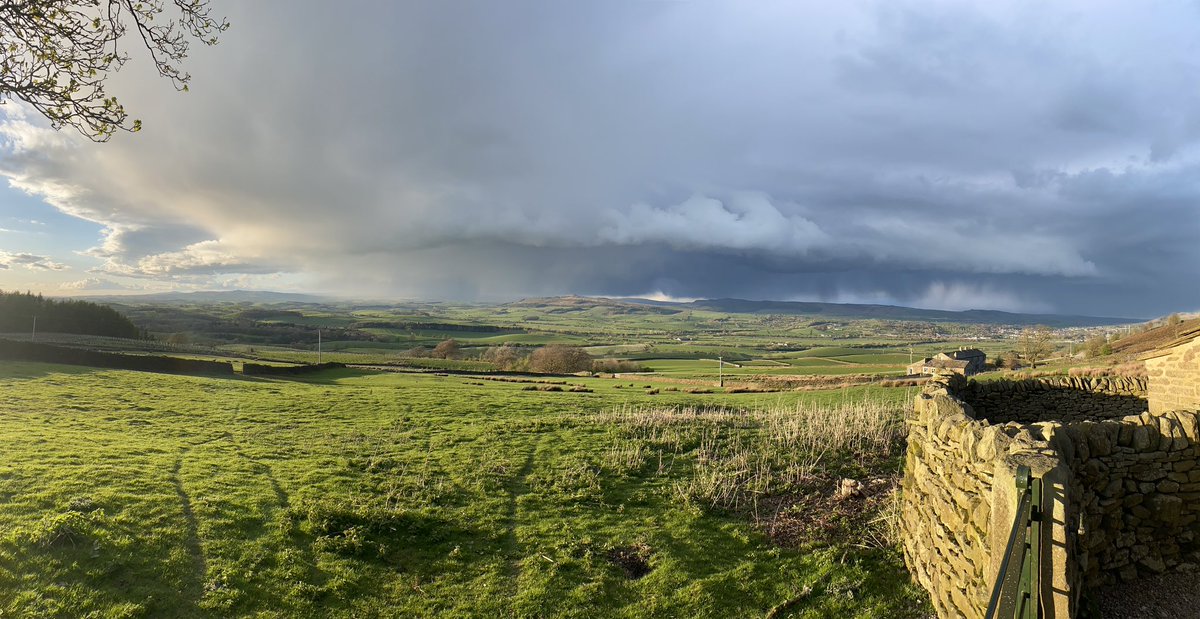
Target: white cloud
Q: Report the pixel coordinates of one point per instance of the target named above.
(659, 295)
(95, 283)
(746, 222)
(203, 258)
(30, 261)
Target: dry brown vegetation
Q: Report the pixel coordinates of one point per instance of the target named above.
(1156, 337)
(793, 469)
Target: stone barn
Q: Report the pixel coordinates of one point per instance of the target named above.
(1118, 459)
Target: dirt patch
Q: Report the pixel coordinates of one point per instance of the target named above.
(832, 510)
(634, 560)
(1170, 596)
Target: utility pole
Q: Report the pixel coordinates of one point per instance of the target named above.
(33, 336)
(720, 371)
(318, 347)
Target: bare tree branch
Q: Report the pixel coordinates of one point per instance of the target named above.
(56, 55)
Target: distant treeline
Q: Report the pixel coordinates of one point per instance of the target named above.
(17, 312)
(207, 326)
(432, 326)
(36, 351)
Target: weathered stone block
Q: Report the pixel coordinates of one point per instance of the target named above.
(1141, 438)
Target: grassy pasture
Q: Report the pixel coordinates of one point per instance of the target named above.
(351, 493)
(707, 369)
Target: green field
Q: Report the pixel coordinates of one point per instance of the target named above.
(707, 368)
(607, 327)
(361, 494)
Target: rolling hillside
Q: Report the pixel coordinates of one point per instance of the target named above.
(855, 311)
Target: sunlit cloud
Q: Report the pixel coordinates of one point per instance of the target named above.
(30, 261)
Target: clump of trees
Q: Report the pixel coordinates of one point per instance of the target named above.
(506, 357)
(1009, 360)
(548, 359)
(617, 366)
(446, 349)
(1097, 346)
(555, 359)
(17, 312)
(560, 359)
(1035, 344)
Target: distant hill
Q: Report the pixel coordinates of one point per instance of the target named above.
(601, 306)
(604, 305)
(18, 312)
(855, 311)
(896, 312)
(215, 296)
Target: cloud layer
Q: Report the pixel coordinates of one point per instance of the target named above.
(1011, 155)
(29, 261)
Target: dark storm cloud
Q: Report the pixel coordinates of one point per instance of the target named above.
(1007, 155)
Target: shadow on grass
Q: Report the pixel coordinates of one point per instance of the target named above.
(35, 369)
(84, 569)
(399, 538)
(323, 377)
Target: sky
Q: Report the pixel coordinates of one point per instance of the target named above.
(1021, 156)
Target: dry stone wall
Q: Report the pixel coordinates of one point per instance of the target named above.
(1122, 484)
(1136, 491)
(260, 369)
(955, 468)
(1061, 399)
